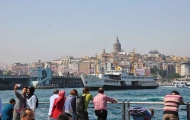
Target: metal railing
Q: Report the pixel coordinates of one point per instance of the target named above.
(15, 76)
(116, 111)
(127, 105)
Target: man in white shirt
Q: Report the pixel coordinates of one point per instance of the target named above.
(52, 98)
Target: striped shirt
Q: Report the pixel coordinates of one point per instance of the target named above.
(100, 101)
(172, 102)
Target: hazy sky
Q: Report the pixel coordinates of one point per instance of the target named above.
(32, 30)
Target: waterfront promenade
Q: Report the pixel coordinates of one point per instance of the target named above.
(115, 111)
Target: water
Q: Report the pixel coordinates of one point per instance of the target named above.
(114, 112)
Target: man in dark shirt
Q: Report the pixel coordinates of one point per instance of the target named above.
(20, 102)
(7, 113)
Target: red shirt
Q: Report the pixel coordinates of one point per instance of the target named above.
(100, 101)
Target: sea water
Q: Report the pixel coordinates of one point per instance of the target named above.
(114, 110)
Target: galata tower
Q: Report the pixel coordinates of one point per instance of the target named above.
(116, 46)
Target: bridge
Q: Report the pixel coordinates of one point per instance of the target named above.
(39, 77)
(8, 82)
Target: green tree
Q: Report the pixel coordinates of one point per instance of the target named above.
(176, 75)
(172, 76)
(154, 70)
(162, 72)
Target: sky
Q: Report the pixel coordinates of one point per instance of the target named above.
(46, 30)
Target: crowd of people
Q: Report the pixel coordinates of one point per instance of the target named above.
(22, 107)
(70, 108)
(62, 107)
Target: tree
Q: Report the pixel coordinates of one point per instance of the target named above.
(154, 70)
(162, 72)
(172, 76)
(176, 75)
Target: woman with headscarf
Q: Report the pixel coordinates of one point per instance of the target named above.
(58, 105)
(32, 100)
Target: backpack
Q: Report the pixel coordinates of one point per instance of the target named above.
(80, 103)
(36, 101)
(136, 112)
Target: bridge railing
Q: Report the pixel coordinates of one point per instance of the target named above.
(119, 111)
(15, 76)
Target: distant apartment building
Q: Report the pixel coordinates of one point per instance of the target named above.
(185, 68)
(177, 58)
(22, 69)
(105, 66)
(85, 67)
(171, 68)
(104, 56)
(178, 68)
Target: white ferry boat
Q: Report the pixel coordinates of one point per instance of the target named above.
(118, 80)
(182, 82)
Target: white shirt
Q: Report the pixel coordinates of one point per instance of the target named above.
(52, 98)
(31, 103)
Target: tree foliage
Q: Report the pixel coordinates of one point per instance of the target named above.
(163, 73)
(172, 76)
(154, 70)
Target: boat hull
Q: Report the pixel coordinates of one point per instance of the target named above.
(110, 87)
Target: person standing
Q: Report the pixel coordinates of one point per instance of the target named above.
(7, 112)
(0, 108)
(58, 105)
(70, 103)
(171, 105)
(20, 102)
(100, 104)
(32, 100)
(88, 97)
(52, 98)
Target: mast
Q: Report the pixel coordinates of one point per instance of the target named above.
(96, 66)
(133, 59)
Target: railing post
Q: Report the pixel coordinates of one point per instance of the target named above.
(128, 105)
(123, 110)
(188, 111)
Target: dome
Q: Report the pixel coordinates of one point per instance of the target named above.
(153, 52)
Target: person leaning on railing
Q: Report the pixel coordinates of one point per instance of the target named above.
(88, 97)
(100, 104)
(172, 102)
